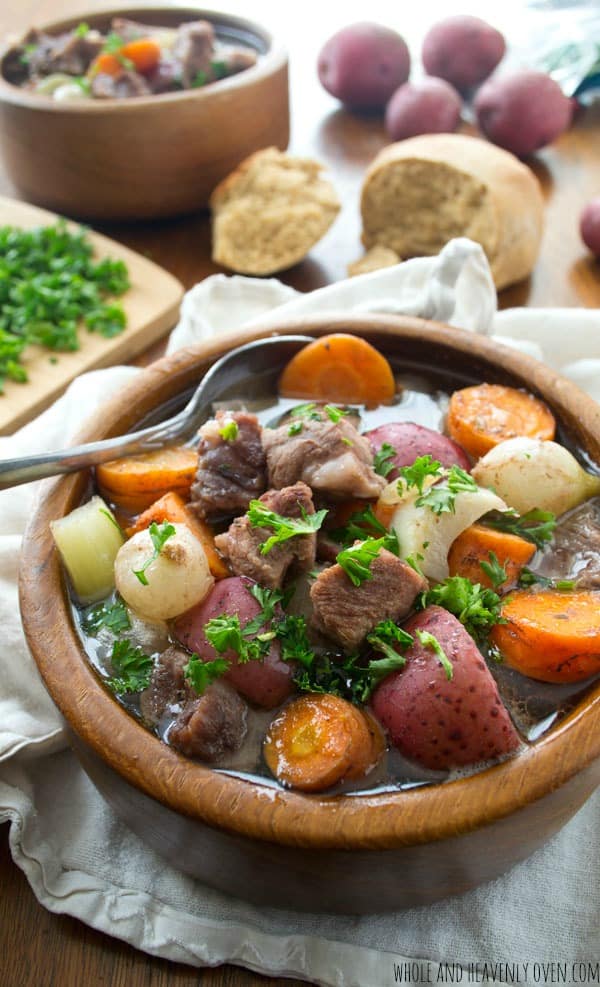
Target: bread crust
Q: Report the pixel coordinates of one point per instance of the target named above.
(507, 221)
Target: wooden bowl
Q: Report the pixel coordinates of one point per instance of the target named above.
(152, 155)
(345, 853)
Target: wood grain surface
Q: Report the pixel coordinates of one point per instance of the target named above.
(41, 949)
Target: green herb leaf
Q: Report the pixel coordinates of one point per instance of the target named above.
(268, 599)
(199, 80)
(430, 641)
(495, 572)
(477, 608)
(535, 526)
(356, 560)
(295, 646)
(386, 637)
(230, 431)
(200, 674)
(132, 668)
(225, 634)
(309, 411)
(334, 413)
(113, 43)
(528, 578)
(382, 460)
(441, 497)
(284, 527)
(114, 616)
(415, 475)
(159, 534)
(360, 525)
(295, 428)
(81, 30)
(219, 69)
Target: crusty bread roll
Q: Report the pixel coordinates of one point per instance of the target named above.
(375, 259)
(270, 211)
(422, 192)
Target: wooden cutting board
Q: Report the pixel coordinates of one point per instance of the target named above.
(151, 306)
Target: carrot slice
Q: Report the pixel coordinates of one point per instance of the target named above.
(136, 482)
(550, 635)
(107, 64)
(143, 52)
(340, 368)
(173, 508)
(474, 546)
(317, 741)
(481, 417)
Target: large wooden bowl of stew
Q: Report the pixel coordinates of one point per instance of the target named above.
(385, 845)
(143, 138)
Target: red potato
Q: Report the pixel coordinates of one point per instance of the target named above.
(442, 723)
(411, 440)
(522, 112)
(266, 683)
(431, 106)
(463, 50)
(589, 226)
(363, 64)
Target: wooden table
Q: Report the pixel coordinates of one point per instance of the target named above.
(42, 949)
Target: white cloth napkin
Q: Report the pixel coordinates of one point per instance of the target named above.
(80, 859)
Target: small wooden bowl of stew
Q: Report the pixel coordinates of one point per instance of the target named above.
(398, 837)
(138, 113)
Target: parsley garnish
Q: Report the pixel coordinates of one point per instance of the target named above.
(441, 497)
(226, 634)
(346, 677)
(219, 69)
(230, 431)
(309, 411)
(415, 475)
(268, 600)
(200, 674)
(386, 636)
(132, 667)
(382, 460)
(295, 646)
(528, 578)
(284, 527)
(535, 526)
(200, 79)
(430, 641)
(496, 573)
(360, 525)
(477, 608)
(113, 43)
(333, 413)
(114, 616)
(159, 534)
(356, 560)
(81, 30)
(295, 428)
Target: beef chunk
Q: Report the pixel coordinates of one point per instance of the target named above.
(230, 474)
(331, 457)
(130, 30)
(121, 86)
(194, 49)
(347, 613)
(67, 53)
(242, 543)
(168, 685)
(575, 549)
(236, 59)
(210, 725)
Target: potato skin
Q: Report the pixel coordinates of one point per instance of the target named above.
(589, 226)
(430, 106)
(267, 682)
(411, 440)
(522, 112)
(463, 50)
(363, 64)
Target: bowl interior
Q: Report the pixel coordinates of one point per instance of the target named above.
(447, 357)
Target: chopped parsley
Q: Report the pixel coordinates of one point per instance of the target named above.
(225, 633)
(430, 641)
(295, 646)
(333, 413)
(477, 608)
(441, 497)
(283, 527)
(159, 535)
(81, 30)
(346, 676)
(113, 43)
(528, 578)
(132, 668)
(199, 80)
(496, 573)
(309, 411)
(535, 526)
(295, 428)
(360, 525)
(230, 431)
(386, 637)
(113, 616)
(49, 286)
(219, 69)
(415, 475)
(356, 560)
(200, 674)
(383, 459)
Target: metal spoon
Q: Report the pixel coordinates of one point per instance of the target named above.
(230, 371)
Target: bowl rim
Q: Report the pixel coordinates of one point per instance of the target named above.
(379, 821)
(274, 58)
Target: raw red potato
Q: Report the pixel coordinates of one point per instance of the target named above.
(430, 106)
(523, 112)
(410, 441)
(266, 683)
(363, 64)
(444, 723)
(589, 226)
(463, 50)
